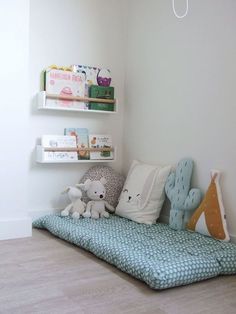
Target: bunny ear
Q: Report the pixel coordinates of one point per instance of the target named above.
(84, 186)
(80, 186)
(103, 180)
(66, 190)
(87, 184)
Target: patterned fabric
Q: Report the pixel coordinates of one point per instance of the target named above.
(209, 218)
(184, 199)
(156, 254)
(114, 185)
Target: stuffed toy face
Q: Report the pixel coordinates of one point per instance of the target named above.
(130, 197)
(95, 189)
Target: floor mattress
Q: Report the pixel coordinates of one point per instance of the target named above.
(155, 254)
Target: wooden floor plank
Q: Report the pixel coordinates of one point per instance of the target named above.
(44, 274)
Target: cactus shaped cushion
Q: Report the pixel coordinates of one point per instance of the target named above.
(209, 219)
(183, 200)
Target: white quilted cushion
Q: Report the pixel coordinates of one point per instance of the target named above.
(143, 194)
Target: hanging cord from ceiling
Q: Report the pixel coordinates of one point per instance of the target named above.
(176, 14)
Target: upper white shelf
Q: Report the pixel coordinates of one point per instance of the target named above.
(43, 97)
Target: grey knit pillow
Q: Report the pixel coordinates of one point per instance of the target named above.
(114, 185)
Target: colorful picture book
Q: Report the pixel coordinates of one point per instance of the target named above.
(82, 140)
(100, 141)
(65, 84)
(90, 73)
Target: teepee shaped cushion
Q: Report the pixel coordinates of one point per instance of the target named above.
(209, 218)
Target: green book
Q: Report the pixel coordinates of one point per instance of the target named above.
(104, 93)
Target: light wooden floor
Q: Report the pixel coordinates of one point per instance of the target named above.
(43, 274)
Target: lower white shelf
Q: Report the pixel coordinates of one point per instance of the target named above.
(42, 158)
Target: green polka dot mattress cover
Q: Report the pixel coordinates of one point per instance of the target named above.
(155, 254)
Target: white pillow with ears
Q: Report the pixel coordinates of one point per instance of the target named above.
(143, 194)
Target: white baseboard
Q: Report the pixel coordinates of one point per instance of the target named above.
(13, 228)
(40, 213)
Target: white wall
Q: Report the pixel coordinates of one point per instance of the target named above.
(180, 92)
(180, 89)
(14, 31)
(65, 32)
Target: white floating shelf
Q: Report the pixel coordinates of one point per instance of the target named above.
(40, 157)
(43, 97)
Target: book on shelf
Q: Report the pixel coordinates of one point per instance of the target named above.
(82, 140)
(65, 84)
(90, 72)
(60, 156)
(100, 141)
(101, 92)
(58, 141)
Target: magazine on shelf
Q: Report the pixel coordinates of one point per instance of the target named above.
(100, 141)
(82, 140)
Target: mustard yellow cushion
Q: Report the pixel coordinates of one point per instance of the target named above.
(209, 218)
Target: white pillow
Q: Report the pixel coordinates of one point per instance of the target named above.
(143, 194)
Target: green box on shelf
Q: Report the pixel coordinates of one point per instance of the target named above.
(103, 92)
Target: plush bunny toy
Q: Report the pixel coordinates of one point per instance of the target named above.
(76, 208)
(96, 192)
